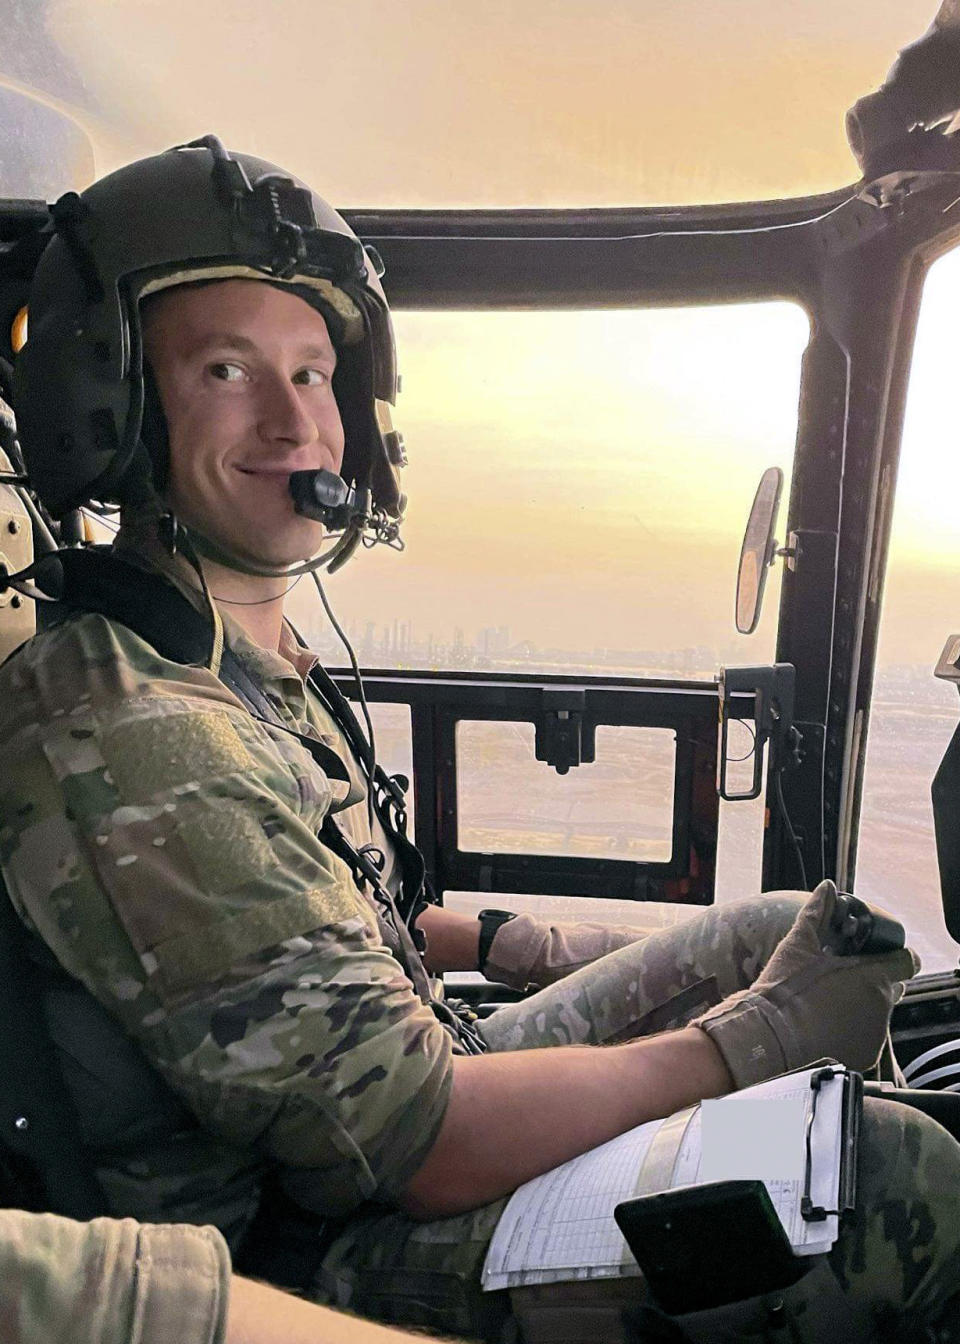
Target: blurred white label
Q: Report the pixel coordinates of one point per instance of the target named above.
(752, 1138)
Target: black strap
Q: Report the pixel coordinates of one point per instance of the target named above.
(388, 789)
(95, 578)
(387, 797)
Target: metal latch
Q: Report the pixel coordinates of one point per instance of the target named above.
(562, 738)
(772, 689)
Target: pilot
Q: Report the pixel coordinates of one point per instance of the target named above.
(193, 826)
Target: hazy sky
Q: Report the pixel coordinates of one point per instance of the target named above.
(508, 102)
(583, 477)
(922, 599)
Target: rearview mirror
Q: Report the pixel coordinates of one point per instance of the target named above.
(758, 550)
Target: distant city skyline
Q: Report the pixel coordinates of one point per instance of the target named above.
(403, 644)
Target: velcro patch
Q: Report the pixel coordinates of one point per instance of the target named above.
(193, 959)
(227, 845)
(148, 756)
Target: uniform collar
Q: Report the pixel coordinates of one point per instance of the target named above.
(290, 660)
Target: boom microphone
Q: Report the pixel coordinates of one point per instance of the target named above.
(323, 496)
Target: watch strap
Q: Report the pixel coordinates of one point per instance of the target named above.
(490, 922)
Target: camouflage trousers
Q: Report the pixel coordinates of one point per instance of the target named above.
(898, 1259)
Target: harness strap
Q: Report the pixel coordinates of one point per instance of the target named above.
(387, 795)
(365, 870)
(388, 799)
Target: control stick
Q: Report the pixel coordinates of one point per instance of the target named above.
(858, 928)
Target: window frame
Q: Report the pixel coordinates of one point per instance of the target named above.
(438, 702)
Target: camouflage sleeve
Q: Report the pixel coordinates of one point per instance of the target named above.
(164, 846)
(109, 1281)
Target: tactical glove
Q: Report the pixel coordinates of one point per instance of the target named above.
(529, 951)
(809, 1003)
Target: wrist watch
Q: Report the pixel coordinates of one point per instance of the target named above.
(490, 921)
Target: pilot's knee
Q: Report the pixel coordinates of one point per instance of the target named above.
(902, 1243)
(906, 1157)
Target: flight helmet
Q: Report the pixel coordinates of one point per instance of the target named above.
(192, 214)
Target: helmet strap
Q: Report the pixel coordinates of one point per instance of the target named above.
(204, 546)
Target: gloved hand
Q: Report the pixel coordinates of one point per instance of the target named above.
(529, 951)
(809, 1003)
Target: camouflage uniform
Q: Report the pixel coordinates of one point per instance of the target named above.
(110, 1282)
(162, 843)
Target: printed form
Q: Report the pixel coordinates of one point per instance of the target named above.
(560, 1226)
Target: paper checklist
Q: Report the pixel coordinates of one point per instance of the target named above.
(785, 1132)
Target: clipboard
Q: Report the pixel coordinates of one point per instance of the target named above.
(707, 1245)
(852, 1111)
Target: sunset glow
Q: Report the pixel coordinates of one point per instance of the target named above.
(513, 102)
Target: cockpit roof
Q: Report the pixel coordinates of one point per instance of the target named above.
(446, 103)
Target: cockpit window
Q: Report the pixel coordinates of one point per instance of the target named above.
(913, 715)
(579, 484)
(432, 104)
